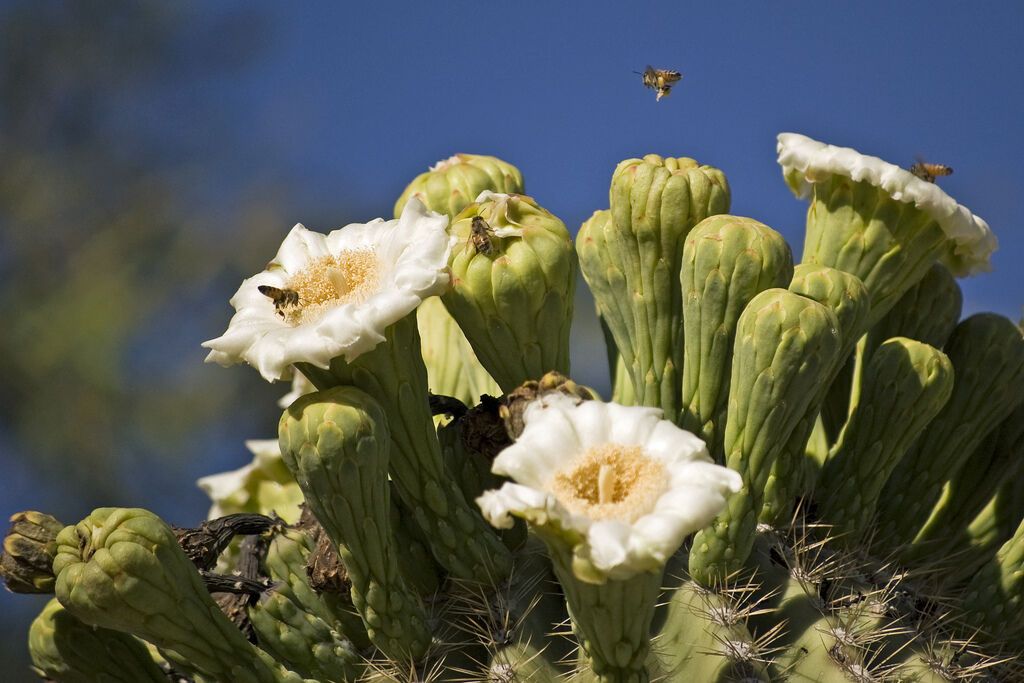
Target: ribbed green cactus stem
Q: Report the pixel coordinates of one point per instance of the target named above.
(793, 472)
(448, 188)
(633, 265)
(512, 287)
(969, 549)
(65, 650)
(727, 260)
(928, 312)
(618, 372)
(703, 637)
(987, 352)
(336, 443)
(785, 344)
(122, 569)
(994, 598)
(612, 620)
(859, 228)
(452, 366)
(394, 375)
(998, 458)
(26, 559)
(314, 635)
(906, 384)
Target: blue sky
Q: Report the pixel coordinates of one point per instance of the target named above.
(353, 100)
(346, 102)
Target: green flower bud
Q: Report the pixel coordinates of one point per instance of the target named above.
(336, 444)
(513, 282)
(394, 375)
(316, 636)
(26, 563)
(785, 345)
(122, 569)
(794, 471)
(927, 313)
(454, 183)
(727, 260)
(906, 384)
(997, 521)
(987, 352)
(452, 366)
(65, 650)
(631, 257)
(999, 458)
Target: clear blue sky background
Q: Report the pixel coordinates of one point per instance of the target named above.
(348, 101)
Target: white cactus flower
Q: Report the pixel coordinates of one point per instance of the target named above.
(300, 387)
(622, 486)
(264, 485)
(343, 290)
(806, 162)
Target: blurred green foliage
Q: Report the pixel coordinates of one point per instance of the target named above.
(117, 255)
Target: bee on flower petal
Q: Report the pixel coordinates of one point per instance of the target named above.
(283, 298)
(480, 235)
(660, 80)
(929, 172)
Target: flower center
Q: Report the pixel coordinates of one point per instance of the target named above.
(350, 277)
(611, 481)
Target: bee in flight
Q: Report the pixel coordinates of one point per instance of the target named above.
(282, 298)
(660, 80)
(929, 172)
(480, 236)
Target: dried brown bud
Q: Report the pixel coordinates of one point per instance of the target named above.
(514, 404)
(27, 558)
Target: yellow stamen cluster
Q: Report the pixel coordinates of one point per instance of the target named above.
(350, 277)
(611, 481)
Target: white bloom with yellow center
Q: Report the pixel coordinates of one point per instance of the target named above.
(619, 484)
(806, 162)
(326, 296)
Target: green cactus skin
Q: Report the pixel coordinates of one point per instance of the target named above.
(618, 373)
(703, 637)
(793, 471)
(906, 385)
(987, 352)
(472, 471)
(994, 597)
(632, 256)
(455, 183)
(785, 344)
(335, 443)
(452, 366)
(28, 550)
(727, 260)
(65, 650)
(122, 569)
(611, 621)
(1000, 457)
(969, 549)
(394, 375)
(858, 228)
(927, 313)
(314, 636)
(514, 302)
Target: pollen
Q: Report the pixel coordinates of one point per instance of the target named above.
(349, 277)
(611, 481)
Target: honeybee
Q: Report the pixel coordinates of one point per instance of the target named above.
(929, 172)
(660, 80)
(282, 298)
(480, 236)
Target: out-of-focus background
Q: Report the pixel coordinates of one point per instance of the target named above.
(153, 154)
